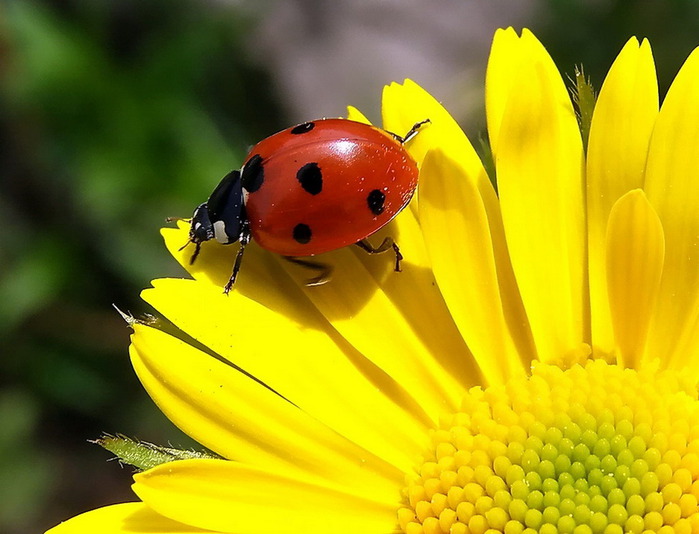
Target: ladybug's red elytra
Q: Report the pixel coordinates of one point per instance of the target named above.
(309, 189)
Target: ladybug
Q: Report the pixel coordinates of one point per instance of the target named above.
(309, 189)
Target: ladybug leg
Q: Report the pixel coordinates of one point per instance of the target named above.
(324, 270)
(411, 133)
(386, 244)
(244, 240)
(198, 245)
(197, 249)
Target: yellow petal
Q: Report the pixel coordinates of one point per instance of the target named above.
(405, 104)
(231, 497)
(127, 518)
(635, 251)
(356, 306)
(504, 62)
(540, 177)
(320, 374)
(459, 242)
(616, 158)
(237, 417)
(261, 277)
(354, 114)
(418, 300)
(671, 186)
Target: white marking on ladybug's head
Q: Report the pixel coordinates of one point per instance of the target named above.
(220, 232)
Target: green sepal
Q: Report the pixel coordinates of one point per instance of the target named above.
(143, 455)
(584, 98)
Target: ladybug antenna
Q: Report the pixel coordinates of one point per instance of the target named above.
(173, 219)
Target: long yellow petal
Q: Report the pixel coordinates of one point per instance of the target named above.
(539, 162)
(261, 278)
(231, 497)
(237, 417)
(435, 378)
(459, 242)
(403, 105)
(635, 252)
(672, 174)
(413, 291)
(322, 375)
(127, 518)
(616, 158)
(357, 307)
(416, 297)
(504, 62)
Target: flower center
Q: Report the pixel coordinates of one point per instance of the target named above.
(592, 449)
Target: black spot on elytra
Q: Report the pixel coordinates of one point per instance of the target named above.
(303, 128)
(253, 175)
(375, 201)
(311, 178)
(302, 233)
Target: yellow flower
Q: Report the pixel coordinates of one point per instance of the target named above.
(532, 369)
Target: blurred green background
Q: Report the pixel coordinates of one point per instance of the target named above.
(117, 114)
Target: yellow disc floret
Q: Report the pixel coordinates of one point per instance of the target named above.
(592, 449)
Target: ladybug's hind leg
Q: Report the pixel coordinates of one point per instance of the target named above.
(323, 269)
(402, 139)
(385, 245)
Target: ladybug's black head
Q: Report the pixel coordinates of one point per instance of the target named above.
(201, 228)
(222, 217)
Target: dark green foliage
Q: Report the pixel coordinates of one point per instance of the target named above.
(113, 116)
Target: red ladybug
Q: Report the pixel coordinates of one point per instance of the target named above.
(309, 189)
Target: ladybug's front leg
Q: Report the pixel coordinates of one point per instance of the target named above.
(244, 240)
(386, 244)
